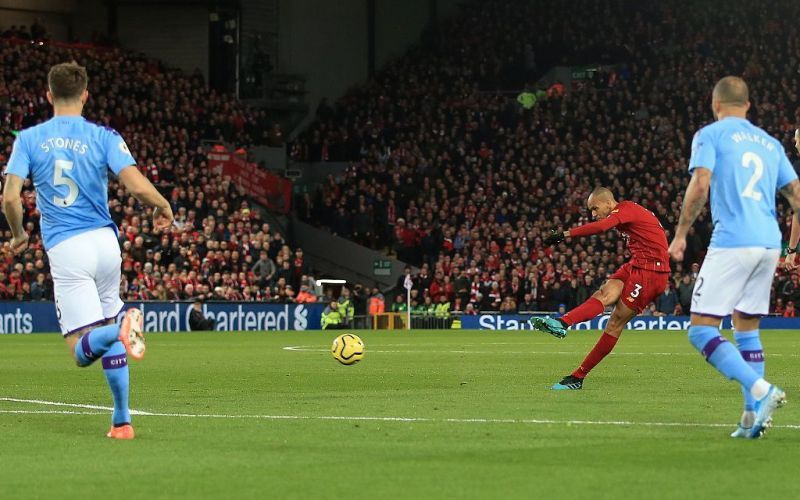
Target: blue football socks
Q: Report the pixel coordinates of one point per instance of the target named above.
(115, 367)
(722, 355)
(103, 343)
(95, 343)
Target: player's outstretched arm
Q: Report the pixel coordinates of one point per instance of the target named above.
(595, 227)
(693, 202)
(12, 208)
(589, 229)
(144, 191)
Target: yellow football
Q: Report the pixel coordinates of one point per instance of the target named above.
(347, 349)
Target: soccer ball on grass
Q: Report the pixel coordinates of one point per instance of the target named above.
(347, 349)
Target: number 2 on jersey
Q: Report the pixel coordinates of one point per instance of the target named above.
(748, 159)
(60, 180)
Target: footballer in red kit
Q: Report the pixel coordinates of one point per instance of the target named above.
(632, 288)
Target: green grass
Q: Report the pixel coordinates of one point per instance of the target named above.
(425, 375)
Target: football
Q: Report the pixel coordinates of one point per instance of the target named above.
(347, 349)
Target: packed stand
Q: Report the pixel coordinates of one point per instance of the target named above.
(220, 249)
(465, 182)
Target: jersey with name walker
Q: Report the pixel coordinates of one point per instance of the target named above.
(647, 241)
(748, 166)
(68, 158)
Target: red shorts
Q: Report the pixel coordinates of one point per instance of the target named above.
(641, 287)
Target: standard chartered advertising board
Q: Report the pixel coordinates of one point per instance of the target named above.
(40, 317)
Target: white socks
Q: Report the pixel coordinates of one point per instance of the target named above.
(760, 389)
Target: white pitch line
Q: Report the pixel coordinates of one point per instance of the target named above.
(54, 412)
(302, 348)
(70, 405)
(368, 418)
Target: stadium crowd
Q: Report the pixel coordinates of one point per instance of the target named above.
(447, 172)
(220, 249)
(455, 177)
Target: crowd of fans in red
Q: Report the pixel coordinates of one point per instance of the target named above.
(220, 249)
(456, 177)
(447, 172)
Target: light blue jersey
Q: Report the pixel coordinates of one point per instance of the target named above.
(748, 167)
(68, 158)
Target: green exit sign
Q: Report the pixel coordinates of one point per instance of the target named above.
(382, 267)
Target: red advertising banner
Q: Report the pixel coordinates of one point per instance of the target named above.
(268, 189)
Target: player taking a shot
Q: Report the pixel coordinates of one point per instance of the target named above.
(630, 289)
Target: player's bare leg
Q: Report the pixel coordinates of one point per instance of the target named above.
(620, 317)
(608, 294)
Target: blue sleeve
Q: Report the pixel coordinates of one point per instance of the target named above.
(786, 173)
(118, 156)
(20, 162)
(704, 151)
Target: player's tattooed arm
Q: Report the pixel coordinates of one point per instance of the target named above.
(792, 193)
(694, 200)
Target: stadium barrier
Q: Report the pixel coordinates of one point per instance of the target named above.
(40, 317)
(398, 320)
(389, 321)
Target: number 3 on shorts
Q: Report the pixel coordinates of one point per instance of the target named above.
(637, 289)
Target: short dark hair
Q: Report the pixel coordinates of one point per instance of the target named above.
(67, 81)
(731, 90)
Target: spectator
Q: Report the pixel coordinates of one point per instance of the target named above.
(332, 317)
(789, 312)
(399, 305)
(685, 290)
(528, 304)
(666, 302)
(264, 269)
(377, 302)
(306, 295)
(197, 319)
(779, 307)
(790, 289)
(40, 290)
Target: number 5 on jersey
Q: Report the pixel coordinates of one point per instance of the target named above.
(59, 179)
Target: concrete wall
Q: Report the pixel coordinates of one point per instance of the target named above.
(340, 257)
(177, 35)
(52, 14)
(89, 16)
(326, 42)
(397, 26)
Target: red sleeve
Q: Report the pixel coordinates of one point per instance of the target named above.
(595, 227)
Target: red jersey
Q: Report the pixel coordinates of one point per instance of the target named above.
(646, 239)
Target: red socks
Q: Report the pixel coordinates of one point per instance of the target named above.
(601, 349)
(588, 310)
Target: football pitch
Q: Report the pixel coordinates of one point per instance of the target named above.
(427, 414)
